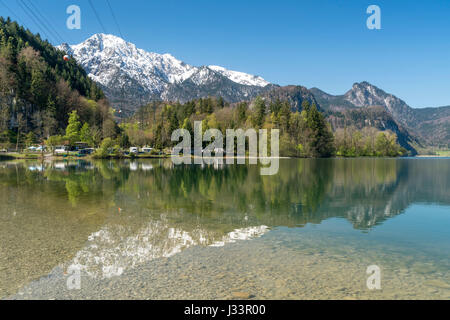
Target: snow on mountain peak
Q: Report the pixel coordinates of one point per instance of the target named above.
(241, 77)
(110, 60)
(107, 58)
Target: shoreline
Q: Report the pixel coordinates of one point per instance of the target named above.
(431, 156)
(35, 156)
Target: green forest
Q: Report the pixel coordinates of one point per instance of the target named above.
(302, 134)
(47, 100)
(39, 90)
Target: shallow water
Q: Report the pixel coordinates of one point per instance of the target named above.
(150, 230)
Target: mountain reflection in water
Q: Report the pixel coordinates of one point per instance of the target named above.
(107, 216)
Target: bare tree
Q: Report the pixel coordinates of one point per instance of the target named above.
(49, 124)
(21, 121)
(4, 117)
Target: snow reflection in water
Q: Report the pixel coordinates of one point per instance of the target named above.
(110, 251)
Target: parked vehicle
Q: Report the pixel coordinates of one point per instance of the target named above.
(36, 149)
(80, 146)
(86, 151)
(134, 150)
(61, 149)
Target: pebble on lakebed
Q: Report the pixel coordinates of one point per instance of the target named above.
(241, 295)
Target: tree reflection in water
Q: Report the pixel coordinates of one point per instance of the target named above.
(89, 213)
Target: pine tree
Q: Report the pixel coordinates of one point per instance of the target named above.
(260, 110)
(220, 102)
(320, 133)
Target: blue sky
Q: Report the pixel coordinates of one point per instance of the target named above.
(315, 43)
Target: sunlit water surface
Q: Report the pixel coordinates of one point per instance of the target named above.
(151, 230)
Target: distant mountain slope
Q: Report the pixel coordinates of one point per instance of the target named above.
(240, 77)
(295, 95)
(376, 117)
(131, 77)
(364, 94)
(329, 102)
(434, 125)
(346, 110)
(206, 82)
(430, 125)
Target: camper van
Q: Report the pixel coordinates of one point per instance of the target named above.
(61, 149)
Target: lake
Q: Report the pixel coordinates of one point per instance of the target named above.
(147, 229)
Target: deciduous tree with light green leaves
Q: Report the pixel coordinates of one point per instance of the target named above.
(73, 128)
(85, 134)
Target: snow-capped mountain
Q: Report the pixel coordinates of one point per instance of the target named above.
(240, 77)
(131, 76)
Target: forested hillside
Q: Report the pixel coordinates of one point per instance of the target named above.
(301, 134)
(304, 131)
(417, 127)
(38, 90)
(375, 117)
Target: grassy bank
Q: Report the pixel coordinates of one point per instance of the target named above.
(443, 153)
(18, 155)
